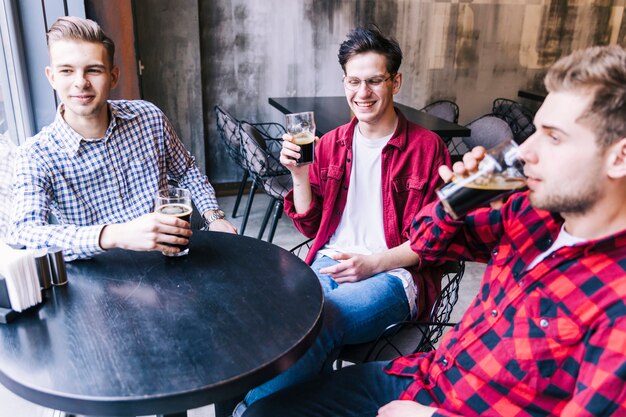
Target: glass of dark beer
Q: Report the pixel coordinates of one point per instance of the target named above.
(175, 201)
(302, 127)
(500, 173)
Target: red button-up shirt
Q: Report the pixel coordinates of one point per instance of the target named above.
(547, 341)
(409, 169)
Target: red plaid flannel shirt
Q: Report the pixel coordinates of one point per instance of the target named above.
(548, 341)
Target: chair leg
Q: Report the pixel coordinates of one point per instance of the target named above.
(278, 212)
(242, 186)
(266, 218)
(248, 208)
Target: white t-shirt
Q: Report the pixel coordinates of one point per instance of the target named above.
(360, 229)
(562, 240)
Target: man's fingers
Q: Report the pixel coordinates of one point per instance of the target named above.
(167, 220)
(341, 256)
(459, 168)
(445, 173)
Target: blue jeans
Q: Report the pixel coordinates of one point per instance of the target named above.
(353, 313)
(354, 391)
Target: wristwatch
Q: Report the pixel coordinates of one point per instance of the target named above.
(215, 215)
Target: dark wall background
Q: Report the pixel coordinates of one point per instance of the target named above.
(237, 53)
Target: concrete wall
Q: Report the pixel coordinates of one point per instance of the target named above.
(244, 51)
(471, 52)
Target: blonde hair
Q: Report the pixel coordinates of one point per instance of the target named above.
(600, 71)
(78, 29)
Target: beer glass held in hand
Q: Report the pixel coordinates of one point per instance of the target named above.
(175, 201)
(500, 173)
(302, 127)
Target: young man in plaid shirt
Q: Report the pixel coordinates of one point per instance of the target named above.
(546, 334)
(98, 166)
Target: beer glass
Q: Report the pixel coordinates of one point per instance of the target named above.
(499, 174)
(175, 201)
(302, 127)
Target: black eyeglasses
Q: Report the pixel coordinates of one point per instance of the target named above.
(353, 83)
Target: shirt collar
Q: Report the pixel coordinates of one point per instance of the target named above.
(72, 141)
(398, 139)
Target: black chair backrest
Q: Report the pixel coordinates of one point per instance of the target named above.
(519, 119)
(444, 109)
(228, 128)
(488, 131)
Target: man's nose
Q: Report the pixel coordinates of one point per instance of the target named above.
(527, 149)
(364, 88)
(81, 80)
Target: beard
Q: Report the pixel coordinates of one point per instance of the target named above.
(579, 203)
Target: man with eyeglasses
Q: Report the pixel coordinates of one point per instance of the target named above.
(368, 180)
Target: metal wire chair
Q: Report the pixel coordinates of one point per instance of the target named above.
(410, 336)
(228, 128)
(518, 118)
(446, 110)
(260, 147)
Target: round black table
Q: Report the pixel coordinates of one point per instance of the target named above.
(137, 333)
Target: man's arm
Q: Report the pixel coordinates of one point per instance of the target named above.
(302, 194)
(355, 267)
(181, 166)
(30, 213)
(405, 408)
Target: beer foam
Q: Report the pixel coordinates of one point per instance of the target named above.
(497, 182)
(174, 209)
(303, 138)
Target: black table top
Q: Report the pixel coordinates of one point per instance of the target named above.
(332, 112)
(136, 333)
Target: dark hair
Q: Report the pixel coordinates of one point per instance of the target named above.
(361, 40)
(600, 71)
(78, 29)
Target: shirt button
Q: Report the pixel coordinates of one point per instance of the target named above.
(494, 313)
(345, 187)
(444, 362)
(543, 323)
(348, 160)
(494, 252)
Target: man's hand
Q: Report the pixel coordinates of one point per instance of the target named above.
(288, 155)
(150, 232)
(468, 166)
(400, 408)
(222, 225)
(352, 268)
(465, 167)
(302, 194)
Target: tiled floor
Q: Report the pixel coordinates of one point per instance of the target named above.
(287, 237)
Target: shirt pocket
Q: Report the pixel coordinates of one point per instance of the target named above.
(142, 182)
(330, 180)
(534, 346)
(408, 196)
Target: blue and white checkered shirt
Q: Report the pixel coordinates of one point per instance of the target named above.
(87, 184)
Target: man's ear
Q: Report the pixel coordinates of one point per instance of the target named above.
(50, 76)
(616, 160)
(115, 76)
(397, 82)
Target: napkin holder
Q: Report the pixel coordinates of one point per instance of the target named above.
(6, 313)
